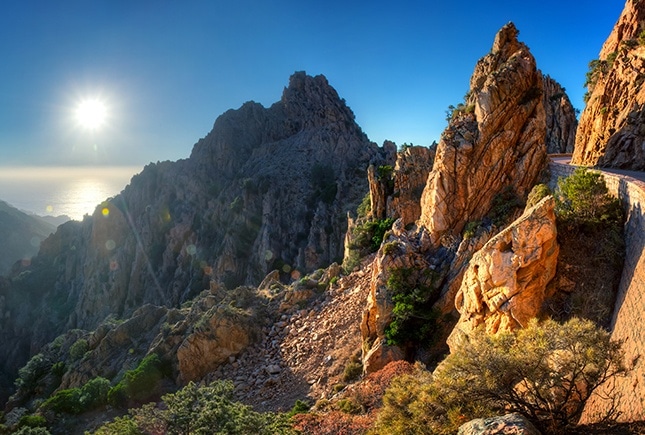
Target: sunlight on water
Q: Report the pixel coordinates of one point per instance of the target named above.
(74, 191)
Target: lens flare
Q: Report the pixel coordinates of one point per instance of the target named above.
(91, 114)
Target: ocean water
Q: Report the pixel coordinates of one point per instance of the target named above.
(54, 191)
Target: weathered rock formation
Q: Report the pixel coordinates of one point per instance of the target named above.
(395, 192)
(496, 143)
(509, 424)
(611, 132)
(400, 252)
(413, 165)
(505, 284)
(267, 188)
(561, 122)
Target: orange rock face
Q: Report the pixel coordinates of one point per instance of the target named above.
(410, 176)
(506, 281)
(612, 126)
(495, 142)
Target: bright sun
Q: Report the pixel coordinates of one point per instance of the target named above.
(91, 114)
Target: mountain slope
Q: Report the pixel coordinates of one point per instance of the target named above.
(267, 188)
(20, 235)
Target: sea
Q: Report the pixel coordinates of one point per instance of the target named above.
(53, 191)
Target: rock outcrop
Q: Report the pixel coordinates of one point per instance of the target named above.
(395, 191)
(493, 145)
(400, 252)
(509, 424)
(495, 142)
(267, 188)
(612, 126)
(411, 170)
(561, 122)
(505, 284)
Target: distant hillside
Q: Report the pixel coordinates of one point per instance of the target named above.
(20, 235)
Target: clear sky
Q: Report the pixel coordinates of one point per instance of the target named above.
(166, 69)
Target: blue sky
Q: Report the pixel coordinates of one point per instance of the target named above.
(167, 69)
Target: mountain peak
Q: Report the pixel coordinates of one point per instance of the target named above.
(506, 39)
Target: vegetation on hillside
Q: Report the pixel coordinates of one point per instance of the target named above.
(545, 371)
(198, 410)
(592, 249)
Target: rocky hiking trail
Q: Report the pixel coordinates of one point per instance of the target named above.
(304, 353)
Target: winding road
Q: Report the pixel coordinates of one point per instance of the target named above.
(566, 160)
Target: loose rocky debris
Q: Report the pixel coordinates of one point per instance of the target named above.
(304, 353)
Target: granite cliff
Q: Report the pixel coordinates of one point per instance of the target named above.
(612, 125)
(561, 122)
(489, 157)
(267, 188)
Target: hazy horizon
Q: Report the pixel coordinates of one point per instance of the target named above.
(62, 190)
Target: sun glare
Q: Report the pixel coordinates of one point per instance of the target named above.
(91, 114)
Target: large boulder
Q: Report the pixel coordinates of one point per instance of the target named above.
(509, 424)
(612, 126)
(505, 284)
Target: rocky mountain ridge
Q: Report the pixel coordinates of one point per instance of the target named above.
(266, 189)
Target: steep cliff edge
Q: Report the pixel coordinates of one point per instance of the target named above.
(612, 125)
(497, 142)
(267, 188)
(489, 157)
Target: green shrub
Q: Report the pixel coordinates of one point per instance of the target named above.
(390, 247)
(59, 369)
(199, 410)
(370, 234)
(353, 370)
(120, 426)
(32, 420)
(545, 372)
(413, 319)
(503, 206)
(471, 229)
(79, 400)
(78, 349)
(537, 193)
(94, 393)
(29, 375)
(461, 109)
(67, 401)
(583, 198)
(140, 384)
(348, 406)
(364, 207)
(597, 68)
(300, 407)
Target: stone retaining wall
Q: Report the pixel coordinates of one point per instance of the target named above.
(628, 322)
